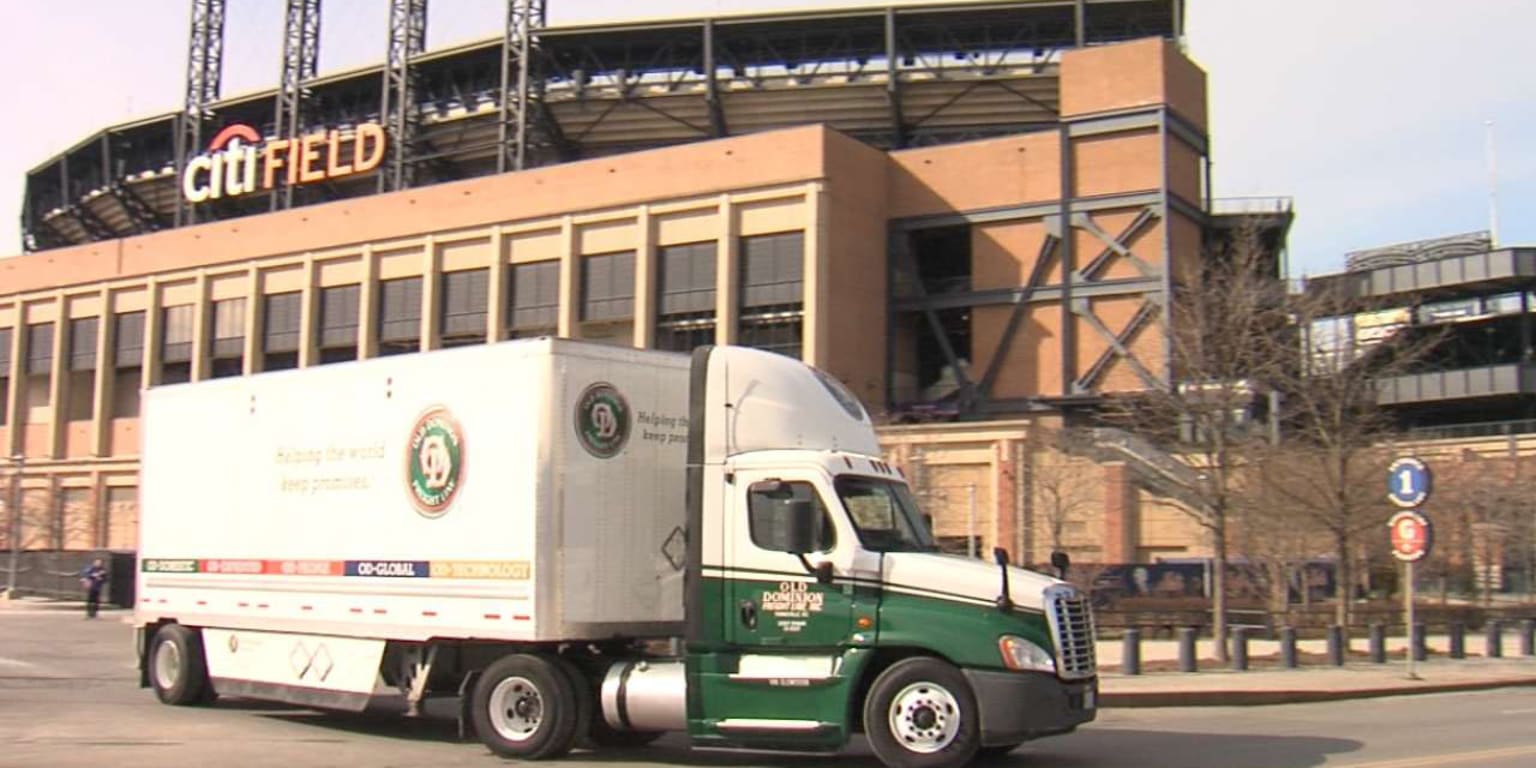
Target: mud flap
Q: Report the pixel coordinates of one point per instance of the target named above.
(466, 723)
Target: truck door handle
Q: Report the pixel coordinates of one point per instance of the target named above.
(749, 614)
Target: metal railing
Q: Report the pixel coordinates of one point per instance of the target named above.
(1225, 206)
(1476, 429)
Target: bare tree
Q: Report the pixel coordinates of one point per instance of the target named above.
(1227, 310)
(1333, 461)
(1065, 488)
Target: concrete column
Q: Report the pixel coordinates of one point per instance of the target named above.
(496, 288)
(727, 269)
(255, 313)
(58, 376)
(202, 321)
(309, 314)
(17, 377)
(816, 330)
(645, 279)
(106, 341)
(431, 295)
(1120, 512)
(152, 332)
(1005, 499)
(568, 318)
(368, 307)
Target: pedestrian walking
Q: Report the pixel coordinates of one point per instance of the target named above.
(92, 578)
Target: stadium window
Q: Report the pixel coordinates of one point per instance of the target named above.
(399, 316)
(685, 289)
(465, 301)
(5, 374)
(608, 287)
(228, 349)
(39, 366)
(176, 344)
(281, 320)
(773, 293)
(128, 362)
(83, 334)
(339, 309)
(534, 299)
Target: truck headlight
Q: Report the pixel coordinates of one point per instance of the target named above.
(1021, 654)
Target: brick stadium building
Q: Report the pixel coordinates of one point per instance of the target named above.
(970, 212)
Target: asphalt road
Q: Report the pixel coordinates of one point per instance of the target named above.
(68, 697)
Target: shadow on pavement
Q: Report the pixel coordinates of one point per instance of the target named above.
(1128, 748)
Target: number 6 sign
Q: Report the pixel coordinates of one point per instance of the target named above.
(1412, 536)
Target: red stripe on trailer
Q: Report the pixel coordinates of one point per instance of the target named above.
(493, 616)
(306, 607)
(522, 618)
(379, 611)
(202, 602)
(429, 614)
(262, 605)
(355, 610)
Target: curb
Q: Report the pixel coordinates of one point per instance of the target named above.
(1252, 698)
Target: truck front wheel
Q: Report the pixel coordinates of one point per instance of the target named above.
(524, 706)
(921, 714)
(177, 669)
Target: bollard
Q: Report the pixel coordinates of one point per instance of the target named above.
(1378, 644)
(1288, 647)
(1494, 645)
(1130, 662)
(1336, 645)
(1458, 637)
(1240, 649)
(1528, 638)
(1187, 660)
(1420, 649)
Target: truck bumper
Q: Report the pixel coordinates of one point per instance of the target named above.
(1019, 706)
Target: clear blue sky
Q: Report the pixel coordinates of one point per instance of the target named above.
(1369, 113)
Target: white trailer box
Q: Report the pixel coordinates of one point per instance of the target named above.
(464, 493)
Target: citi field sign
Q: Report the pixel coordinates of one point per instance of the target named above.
(238, 162)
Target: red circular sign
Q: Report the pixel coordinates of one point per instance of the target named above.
(1411, 536)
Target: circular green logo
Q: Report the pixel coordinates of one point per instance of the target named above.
(434, 461)
(602, 420)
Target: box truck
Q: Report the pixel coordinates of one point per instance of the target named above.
(583, 544)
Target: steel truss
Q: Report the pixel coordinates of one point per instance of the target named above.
(398, 109)
(301, 61)
(522, 89)
(205, 72)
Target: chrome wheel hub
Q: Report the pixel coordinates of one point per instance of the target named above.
(925, 717)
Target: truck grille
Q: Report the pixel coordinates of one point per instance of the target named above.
(1072, 630)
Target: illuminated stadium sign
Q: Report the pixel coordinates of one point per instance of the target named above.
(238, 162)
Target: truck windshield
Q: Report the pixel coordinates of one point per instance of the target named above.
(884, 515)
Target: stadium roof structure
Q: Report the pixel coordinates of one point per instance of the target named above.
(898, 76)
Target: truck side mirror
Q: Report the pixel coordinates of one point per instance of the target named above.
(1061, 562)
(800, 527)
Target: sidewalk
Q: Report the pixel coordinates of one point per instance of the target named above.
(1313, 679)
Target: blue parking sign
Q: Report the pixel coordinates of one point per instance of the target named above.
(1408, 482)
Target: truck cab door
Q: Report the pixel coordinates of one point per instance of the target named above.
(782, 678)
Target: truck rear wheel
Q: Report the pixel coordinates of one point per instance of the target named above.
(177, 669)
(921, 714)
(524, 706)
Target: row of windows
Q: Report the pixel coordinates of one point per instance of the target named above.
(771, 288)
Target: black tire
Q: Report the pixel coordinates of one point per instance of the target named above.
(921, 713)
(177, 670)
(583, 693)
(524, 706)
